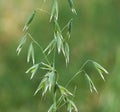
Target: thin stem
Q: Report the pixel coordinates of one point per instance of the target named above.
(76, 74)
(39, 47)
(59, 101)
(42, 10)
(74, 92)
(54, 99)
(61, 105)
(64, 27)
(54, 56)
(84, 65)
(79, 71)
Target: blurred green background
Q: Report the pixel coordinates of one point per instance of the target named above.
(95, 35)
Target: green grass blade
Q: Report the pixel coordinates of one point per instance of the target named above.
(20, 46)
(30, 19)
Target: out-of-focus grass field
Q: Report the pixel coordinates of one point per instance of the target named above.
(95, 35)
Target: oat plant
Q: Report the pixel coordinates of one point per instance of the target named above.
(58, 45)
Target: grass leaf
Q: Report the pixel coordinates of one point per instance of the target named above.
(46, 65)
(41, 85)
(48, 82)
(71, 106)
(57, 26)
(59, 42)
(50, 46)
(52, 108)
(91, 84)
(64, 91)
(54, 11)
(69, 27)
(31, 53)
(72, 6)
(67, 52)
(52, 77)
(100, 69)
(30, 19)
(100, 72)
(33, 70)
(20, 46)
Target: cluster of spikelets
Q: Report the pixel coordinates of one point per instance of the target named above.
(61, 95)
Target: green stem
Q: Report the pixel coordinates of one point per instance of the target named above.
(54, 100)
(75, 75)
(39, 47)
(61, 105)
(54, 56)
(79, 71)
(64, 27)
(42, 10)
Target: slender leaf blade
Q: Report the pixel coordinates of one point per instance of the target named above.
(54, 11)
(69, 27)
(59, 42)
(64, 91)
(52, 108)
(50, 46)
(46, 65)
(20, 46)
(71, 106)
(57, 26)
(33, 70)
(31, 54)
(52, 80)
(67, 52)
(100, 67)
(91, 84)
(41, 85)
(100, 72)
(28, 22)
(72, 6)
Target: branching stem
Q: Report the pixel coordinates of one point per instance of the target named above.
(39, 47)
(77, 73)
(42, 10)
